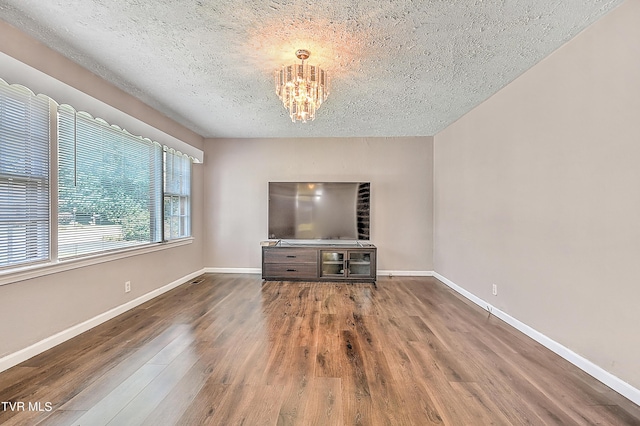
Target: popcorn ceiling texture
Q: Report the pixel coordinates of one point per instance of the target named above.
(397, 67)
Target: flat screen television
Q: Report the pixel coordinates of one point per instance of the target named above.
(319, 210)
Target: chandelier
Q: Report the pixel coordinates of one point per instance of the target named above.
(302, 88)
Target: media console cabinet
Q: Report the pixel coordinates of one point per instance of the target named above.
(319, 262)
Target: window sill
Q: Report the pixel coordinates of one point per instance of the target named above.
(35, 271)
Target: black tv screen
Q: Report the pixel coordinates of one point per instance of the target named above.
(319, 210)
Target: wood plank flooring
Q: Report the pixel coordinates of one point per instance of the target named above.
(230, 351)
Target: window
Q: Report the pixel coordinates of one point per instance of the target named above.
(177, 195)
(114, 190)
(109, 186)
(24, 176)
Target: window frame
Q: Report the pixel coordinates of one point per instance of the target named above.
(16, 272)
(182, 194)
(28, 177)
(112, 150)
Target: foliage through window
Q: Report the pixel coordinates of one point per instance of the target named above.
(109, 186)
(115, 190)
(177, 195)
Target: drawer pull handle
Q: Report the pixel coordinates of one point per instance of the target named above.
(290, 255)
(292, 270)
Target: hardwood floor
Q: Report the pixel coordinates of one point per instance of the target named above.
(230, 351)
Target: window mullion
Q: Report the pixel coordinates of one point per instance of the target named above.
(53, 181)
(163, 235)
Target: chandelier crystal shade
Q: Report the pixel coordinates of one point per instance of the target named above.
(302, 88)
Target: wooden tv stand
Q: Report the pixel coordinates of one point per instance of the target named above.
(319, 262)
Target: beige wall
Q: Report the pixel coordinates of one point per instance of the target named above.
(237, 172)
(34, 309)
(537, 191)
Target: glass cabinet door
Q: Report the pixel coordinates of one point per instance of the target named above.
(359, 264)
(333, 263)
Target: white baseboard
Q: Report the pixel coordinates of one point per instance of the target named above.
(233, 270)
(391, 273)
(614, 382)
(16, 358)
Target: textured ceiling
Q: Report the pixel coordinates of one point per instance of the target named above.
(397, 67)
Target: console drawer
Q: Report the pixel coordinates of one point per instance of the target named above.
(294, 270)
(290, 255)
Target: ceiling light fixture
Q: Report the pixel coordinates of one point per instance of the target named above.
(302, 88)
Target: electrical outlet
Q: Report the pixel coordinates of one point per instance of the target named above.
(127, 286)
(495, 289)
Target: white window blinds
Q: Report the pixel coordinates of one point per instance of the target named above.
(177, 195)
(110, 186)
(24, 176)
